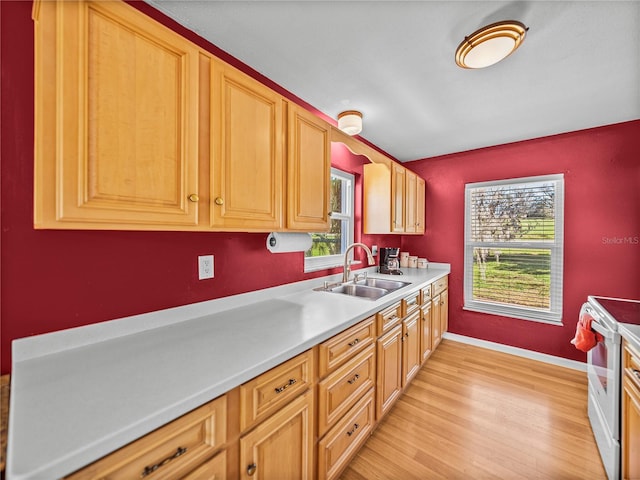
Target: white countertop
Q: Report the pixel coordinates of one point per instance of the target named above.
(79, 394)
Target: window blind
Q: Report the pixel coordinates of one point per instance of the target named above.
(513, 247)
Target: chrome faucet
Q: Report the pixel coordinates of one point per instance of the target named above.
(347, 262)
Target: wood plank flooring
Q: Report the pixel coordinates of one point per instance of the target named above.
(473, 413)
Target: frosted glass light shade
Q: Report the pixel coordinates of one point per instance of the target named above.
(350, 122)
(490, 44)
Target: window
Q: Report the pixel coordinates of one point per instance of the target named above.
(513, 247)
(328, 248)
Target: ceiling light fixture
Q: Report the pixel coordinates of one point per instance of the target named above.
(490, 44)
(350, 122)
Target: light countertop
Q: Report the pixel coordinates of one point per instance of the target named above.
(79, 394)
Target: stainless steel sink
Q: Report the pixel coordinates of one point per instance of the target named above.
(383, 283)
(371, 288)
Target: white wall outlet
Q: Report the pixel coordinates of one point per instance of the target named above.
(205, 267)
(374, 250)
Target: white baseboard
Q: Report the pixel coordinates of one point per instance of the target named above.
(521, 352)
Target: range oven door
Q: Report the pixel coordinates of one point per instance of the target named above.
(603, 372)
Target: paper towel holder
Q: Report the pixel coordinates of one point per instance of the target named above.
(286, 242)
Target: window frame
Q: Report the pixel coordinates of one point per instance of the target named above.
(553, 315)
(312, 264)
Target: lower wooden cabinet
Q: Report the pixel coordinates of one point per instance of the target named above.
(426, 345)
(631, 414)
(281, 447)
(389, 374)
(214, 469)
(182, 447)
(410, 347)
(341, 443)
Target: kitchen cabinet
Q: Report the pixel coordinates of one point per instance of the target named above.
(630, 441)
(248, 157)
(191, 445)
(411, 337)
(439, 309)
(116, 119)
(277, 422)
(308, 171)
(389, 359)
(393, 200)
(347, 372)
(426, 345)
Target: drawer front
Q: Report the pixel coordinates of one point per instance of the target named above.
(343, 388)
(389, 318)
(440, 285)
(426, 294)
(345, 438)
(338, 349)
(411, 304)
(632, 365)
(169, 452)
(214, 469)
(270, 391)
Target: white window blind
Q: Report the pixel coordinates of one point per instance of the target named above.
(513, 247)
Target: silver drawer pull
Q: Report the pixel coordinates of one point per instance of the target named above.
(286, 385)
(353, 430)
(351, 344)
(354, 379)
(149, 470)
(636, 373)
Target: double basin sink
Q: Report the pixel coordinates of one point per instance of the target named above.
(370, 288)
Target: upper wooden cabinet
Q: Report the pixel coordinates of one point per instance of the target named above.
(116, 118)
(393, 199)
(308, 171)
(248, 159)
(136, 128)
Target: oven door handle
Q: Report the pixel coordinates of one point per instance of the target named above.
(605, 332)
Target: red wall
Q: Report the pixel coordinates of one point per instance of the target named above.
(601, 168)
(53, 280)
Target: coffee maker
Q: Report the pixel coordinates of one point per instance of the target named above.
(389, 261)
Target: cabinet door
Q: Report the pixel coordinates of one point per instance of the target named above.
(308, 171)
(436, 332)
(630, 430)
(411, 196)
(281, 446)
(410, 347)
(425, 332)
(420, 205)
(116, 119)
(444, 311)
(397, 198)
(389, 373)
(247, 135)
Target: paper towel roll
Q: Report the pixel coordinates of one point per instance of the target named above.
(283, 242)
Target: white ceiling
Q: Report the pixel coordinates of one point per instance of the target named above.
(578, 67)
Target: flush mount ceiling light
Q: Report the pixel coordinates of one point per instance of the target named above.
(350, 122)
(490, 44)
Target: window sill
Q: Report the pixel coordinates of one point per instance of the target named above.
(517, 313)
(327, 266)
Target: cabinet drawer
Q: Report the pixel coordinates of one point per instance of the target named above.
(214, 469)
(426, 294)
(440, 285)
(338, 349)
(339, 391)
(270, 391)
(343, 441)
(168, 452)
(389, 318)
(411, 304)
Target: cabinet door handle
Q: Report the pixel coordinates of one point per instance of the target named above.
(351, 344)
(251, 469)
(286, 385)
(354, 379)
(149, 470)
(193, 197)
(219, 201)
(353, 430)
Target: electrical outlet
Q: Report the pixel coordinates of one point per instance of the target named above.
(374, 250)
(205, 267)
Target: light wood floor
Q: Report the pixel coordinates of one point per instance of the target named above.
(473, 413)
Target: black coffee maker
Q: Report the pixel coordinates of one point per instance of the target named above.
(389, 261)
